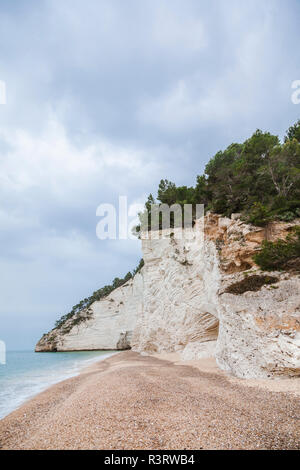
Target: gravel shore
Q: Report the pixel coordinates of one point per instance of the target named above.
(129, 401)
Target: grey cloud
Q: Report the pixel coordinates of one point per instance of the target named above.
(104, 99)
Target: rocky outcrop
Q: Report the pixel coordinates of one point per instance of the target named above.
(181, 280)
(259, 333)
(237, 242)
(181, 301)
(186, 308)
(108, 325)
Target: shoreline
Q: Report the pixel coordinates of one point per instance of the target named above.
(50, 375)
(132, 401)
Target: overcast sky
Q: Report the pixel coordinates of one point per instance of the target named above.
(105, 98)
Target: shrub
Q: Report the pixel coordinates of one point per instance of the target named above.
(287, 216)
(258, 215)
(250, 283)
(277, 255)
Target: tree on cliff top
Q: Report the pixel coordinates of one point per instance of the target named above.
(260, 176)
(293, 132)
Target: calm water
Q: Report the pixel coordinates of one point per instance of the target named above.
(27, 373)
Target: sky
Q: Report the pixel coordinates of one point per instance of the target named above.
(105, 98)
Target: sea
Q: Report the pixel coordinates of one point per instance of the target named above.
(27, 373)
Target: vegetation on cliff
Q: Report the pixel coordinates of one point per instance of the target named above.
(250, 283)
(81, 311)
(280, 254)
(259, 178)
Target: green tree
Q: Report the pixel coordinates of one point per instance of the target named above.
(293, 132)
(258, 215)
(150, 202)
(166, 192)
(276, 255)
(259, 178)
(202, 195)
(223, 180)
(253, 183)
(283, 165)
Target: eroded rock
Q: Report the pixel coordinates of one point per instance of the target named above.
(178, 302)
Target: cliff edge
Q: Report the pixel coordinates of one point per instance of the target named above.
(201, 296)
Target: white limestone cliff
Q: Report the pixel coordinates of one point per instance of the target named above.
(178, 303)
(109, 326)
(181, 281)
(259, 334)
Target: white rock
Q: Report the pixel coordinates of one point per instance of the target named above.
(236, 216)
(199, 350)
(177, 303)
(259, 334)
(111, 326)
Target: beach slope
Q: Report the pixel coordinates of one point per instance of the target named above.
(129, 401)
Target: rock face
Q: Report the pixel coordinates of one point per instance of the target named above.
(259, 334)
(109, 324)
(237, 242)
(178, 303)
(181, 280)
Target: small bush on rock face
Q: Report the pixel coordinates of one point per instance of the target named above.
(287, 216)
(250, 283)
(258, 215)
(280, 254)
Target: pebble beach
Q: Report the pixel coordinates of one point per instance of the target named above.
(130, 401)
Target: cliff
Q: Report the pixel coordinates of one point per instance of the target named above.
(107, 324)
(181, 282)
(202, 297)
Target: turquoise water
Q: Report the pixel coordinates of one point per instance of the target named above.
(27, 373)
